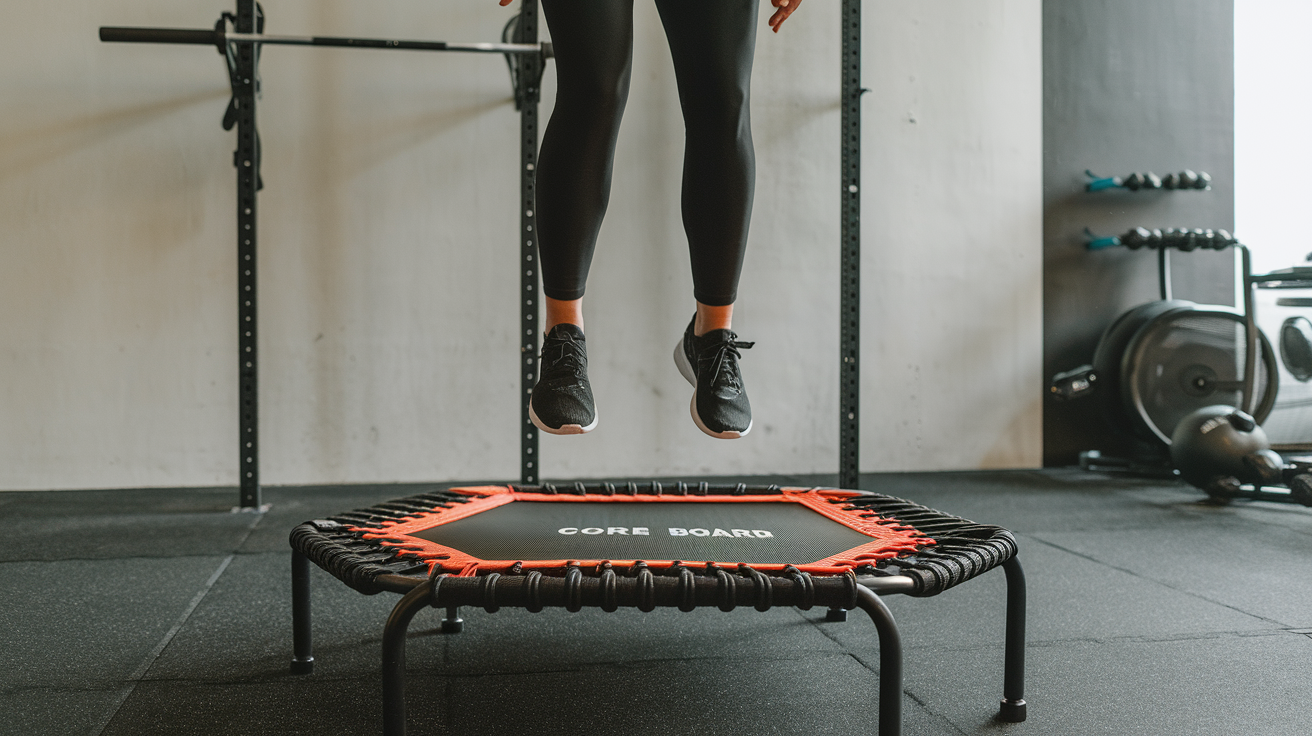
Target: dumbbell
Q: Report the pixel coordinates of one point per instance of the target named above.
(1136, 181)
(1187, 180)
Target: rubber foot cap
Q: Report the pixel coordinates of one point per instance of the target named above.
(303, 666)
(836, 615)
(1012, 711)
(452, 627)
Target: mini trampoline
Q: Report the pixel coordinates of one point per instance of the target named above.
(684, 545)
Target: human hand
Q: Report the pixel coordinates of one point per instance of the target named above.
(785, 9)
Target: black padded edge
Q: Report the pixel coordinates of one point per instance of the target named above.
(358, 562)
(645, 589)
(962, 549)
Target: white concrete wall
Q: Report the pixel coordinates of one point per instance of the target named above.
(952, 306)
(388, 252)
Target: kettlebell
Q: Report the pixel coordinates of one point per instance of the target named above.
(1220, 447)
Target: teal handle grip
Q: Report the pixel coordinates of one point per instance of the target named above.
(1097, 243)
(1099, 183)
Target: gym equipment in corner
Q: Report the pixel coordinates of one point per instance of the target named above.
(1160, 361)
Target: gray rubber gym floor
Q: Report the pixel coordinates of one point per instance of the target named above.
(158, 611)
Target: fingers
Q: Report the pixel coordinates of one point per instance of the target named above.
(785, 9)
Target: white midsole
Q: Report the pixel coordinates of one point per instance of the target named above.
(685, 368)
(563, 429)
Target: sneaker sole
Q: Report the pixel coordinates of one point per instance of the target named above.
(685, 369)
(564, 428)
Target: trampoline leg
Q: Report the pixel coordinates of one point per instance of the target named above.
(394, 658)
(452, 624)
(890, 662)
(1013, 685)
(302, 636)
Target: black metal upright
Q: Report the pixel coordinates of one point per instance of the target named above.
(239, 37)
(527, 88)
(247, 161)
(849, 405)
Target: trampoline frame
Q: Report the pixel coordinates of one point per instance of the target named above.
(642, 587)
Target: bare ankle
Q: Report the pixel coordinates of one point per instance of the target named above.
(712, 318)
(563, 311)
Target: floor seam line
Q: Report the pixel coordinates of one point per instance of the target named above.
(906, 690)
(1168, 586)
(215, 553)
(140, 672)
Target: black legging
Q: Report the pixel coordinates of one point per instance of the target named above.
(712, 42)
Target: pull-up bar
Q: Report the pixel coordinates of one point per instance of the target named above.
(219, 37)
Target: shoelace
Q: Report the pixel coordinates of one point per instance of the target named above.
(721, 357)
(569, 356)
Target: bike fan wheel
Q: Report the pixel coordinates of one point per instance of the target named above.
(1186, 359)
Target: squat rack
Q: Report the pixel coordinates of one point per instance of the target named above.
(238, 37)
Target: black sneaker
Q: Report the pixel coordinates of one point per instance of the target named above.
(561, 403)
(719, 400)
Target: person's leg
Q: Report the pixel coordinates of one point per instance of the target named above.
(712, 44)
(593, 41)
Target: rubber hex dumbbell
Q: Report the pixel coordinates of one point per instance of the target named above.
(1218, 239)
(1136, 181)
(1187, 179)
(1138, 238)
